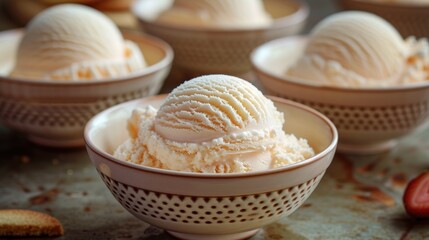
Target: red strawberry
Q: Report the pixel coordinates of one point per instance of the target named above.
(416, 196)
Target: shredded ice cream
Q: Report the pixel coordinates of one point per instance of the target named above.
(358, 49)
(212, 124)
(217, 13)
(74, 42)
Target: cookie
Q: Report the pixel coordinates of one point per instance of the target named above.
(19, 222)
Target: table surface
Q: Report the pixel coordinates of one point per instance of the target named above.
(358, 198)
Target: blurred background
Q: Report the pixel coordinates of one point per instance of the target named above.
(367, 192)
(15, 14)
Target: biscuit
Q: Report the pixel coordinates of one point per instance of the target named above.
(19, 222)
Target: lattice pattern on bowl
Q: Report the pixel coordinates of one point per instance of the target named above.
(371, 118)
(224, 53)
(149, 205)
(47, 113)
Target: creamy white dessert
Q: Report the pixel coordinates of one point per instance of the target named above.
(72, 42)
(359, 49)
(212, 124)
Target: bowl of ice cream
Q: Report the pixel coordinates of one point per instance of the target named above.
(360, 73)
(70, 63)
(218, 36)
(408, 16)
(215, 159)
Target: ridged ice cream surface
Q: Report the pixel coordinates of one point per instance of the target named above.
(212, 124)
(74, 42)
(359, 49)
(210, 108)
(217, 13)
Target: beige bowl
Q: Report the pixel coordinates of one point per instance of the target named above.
(203, 51)
(409, 19)
(368, 120)
(210, 206)
(55, 113)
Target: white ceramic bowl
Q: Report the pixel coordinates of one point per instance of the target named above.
(203, 51)
(368, 120)
(210, 206)
(410, 19)
(54, 113)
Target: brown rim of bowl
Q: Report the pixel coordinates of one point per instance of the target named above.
(307, 84)
(297, 17)
(285, 168)
(163, 63)
(397, 5)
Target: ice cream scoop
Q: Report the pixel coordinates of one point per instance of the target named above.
(74, 42)
(361, 43)
(212, 124)
(217, 13)
(370, 47)
(206, 109)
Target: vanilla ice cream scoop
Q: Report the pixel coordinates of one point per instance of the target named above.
(212, 124)
(353, 49)
(217, 13)
(361, 42)
(74, 42)
(209, 108)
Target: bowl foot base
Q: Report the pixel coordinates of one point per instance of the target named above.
(366, 149)
(72, 143)
(234, 236)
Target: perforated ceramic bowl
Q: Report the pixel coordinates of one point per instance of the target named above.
(202, 51)
(210, 206)
(55, 113)
(368, 120)
(408, 18)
